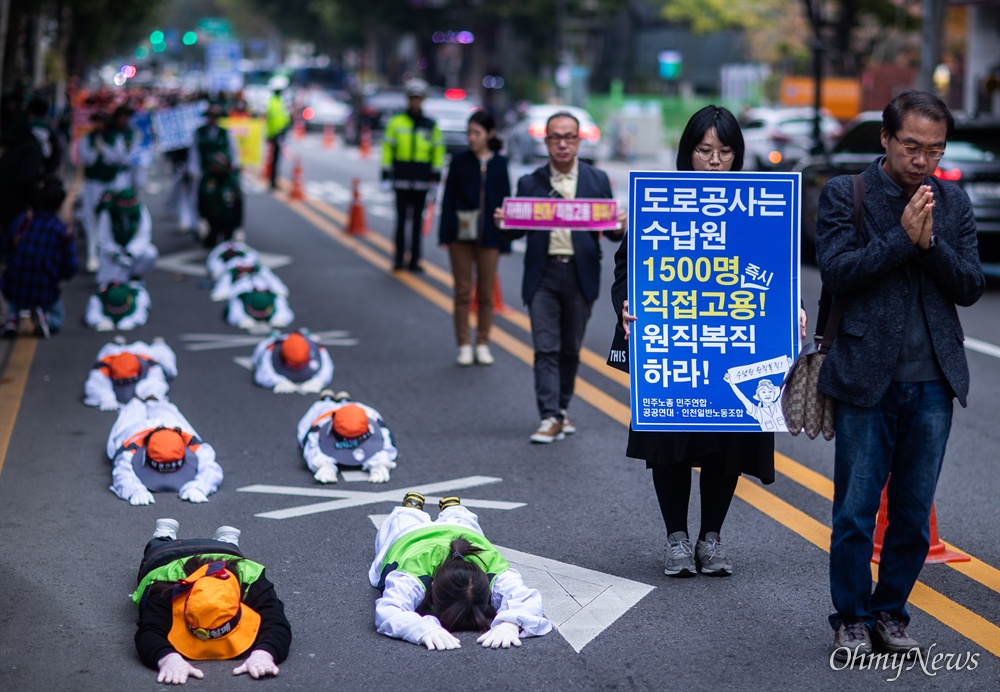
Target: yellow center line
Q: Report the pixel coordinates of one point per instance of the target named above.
(12, 389)
(934, 603)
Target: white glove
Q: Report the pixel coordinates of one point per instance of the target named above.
(246, 323)
(327, 473)
(502, 635)
(285, 387)
(174, 670)
(219, 296)
(313, 386)
(378, 474)
(440, 639)
(192, 494)
(141, 497)
(104, 325)
(109, 405)
(259, 663)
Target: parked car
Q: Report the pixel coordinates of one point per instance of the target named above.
(776, 138)
(525, 139)
(319, 108)
(971, 160)
(452, 118)
(373, 110)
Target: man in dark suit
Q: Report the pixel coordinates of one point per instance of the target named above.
(896, 364)
(562, 274)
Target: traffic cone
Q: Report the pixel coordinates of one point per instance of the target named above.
(300, 128)
(266, 171)
(297, 192)
(936, 555)
(328, 137)
(365, 144)
(498, 304)
(357, 224)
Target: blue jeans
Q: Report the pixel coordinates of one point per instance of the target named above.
(55, 314)
(903, 436)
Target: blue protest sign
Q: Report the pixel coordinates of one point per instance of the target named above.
(714, 284)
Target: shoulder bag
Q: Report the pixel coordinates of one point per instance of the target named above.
(470, 221)
(803, 405)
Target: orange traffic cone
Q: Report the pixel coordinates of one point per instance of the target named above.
(429, 217)
(266, 171)
(936, 555)
(357, 224)
(300, 128)
(365, 144)
(328, 137)
(297, 192)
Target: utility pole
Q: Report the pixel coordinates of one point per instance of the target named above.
(931, 29)
(818, 48)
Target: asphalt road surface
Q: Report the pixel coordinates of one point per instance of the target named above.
(577, 517)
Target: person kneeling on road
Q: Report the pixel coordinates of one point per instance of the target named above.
(244, 270)
(337, 431)
(122, 366)
(118, 306)
(295, 362)
(443, 576)
(256, 308)
(124, 238)
(227, 255)
(200, 599)
(155, 449)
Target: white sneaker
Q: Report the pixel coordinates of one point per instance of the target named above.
(548, 431)
(166, 528)
(483, 355)
(464, 355)
(228, 534)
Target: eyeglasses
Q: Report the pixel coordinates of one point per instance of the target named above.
(706, 154)
(912, 150)
(569, 139)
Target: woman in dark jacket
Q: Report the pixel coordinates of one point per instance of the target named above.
(712, 141)
(477, 184)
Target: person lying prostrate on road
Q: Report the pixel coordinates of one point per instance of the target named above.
(121, 366)
(228, 254)
(257, 308)
(339, 432)
(124, 238)
(443, 576)
(295, 362)
(155, 449)
(200, 599)
(244, 270)
(118, 306)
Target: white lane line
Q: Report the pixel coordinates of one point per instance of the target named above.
(984, 347)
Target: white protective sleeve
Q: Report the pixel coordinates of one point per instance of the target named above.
(519, 604)
(263, 368)
(95, 314)
(142, 242)
(395, 611)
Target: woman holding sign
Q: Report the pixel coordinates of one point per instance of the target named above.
(712, 141)
(477, 184)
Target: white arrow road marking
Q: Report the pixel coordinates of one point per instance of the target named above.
(580, 602)
(358, 498)
(192, 262)
(206, 342)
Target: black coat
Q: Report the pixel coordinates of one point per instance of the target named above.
(461, 192)
(591, 183)
(734, 452)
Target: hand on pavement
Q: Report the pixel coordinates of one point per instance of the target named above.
(105, 325)
(174, 670)
(440, 639)
(313, 386)
(109, 405)
(502, 635)
(285, 387)
(246, 323)
(141, 497)
(258, 664)
(327, 473)
(193, 495)
(378, 474)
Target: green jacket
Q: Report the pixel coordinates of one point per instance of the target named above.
(247, 571)
(278, 118)
(412, 152)
(419, 553)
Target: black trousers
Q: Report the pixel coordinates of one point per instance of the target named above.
(409, 203)
(275, 158)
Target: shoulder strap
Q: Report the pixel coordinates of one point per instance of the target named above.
(830, 311)
(541, 175)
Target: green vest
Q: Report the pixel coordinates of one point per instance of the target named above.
(124, 225)
(247, 571)
(419, 553)
(278, 118)
(210, 145)
(99, 170)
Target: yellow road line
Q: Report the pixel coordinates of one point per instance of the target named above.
(934, 603)
(12, 389)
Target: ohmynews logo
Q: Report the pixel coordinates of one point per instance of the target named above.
(930, 663)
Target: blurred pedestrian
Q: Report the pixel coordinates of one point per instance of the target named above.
(562, 274)
(226, 255)
(412, 158)
(121, 366)
(115, 305)
(21, 164)
(124, 238)
(477, 184)
(711, 141)
(254, 306)
(200, 599)
(214, 163)
(49, 141)
(293, 362)
(101, 156)
(278, 121)
(443, 576)
(337, 431)
(896, 365)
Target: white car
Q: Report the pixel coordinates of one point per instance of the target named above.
(776, 138)
(319, 109)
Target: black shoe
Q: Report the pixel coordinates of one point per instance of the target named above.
(452, 501)
(414, 500)
(397, 267)
(10, 328)
(416, 269)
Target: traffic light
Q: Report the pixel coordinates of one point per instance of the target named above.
(190, 38)
(157, 37)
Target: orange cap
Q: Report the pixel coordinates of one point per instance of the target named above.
(350, 421)
(210, 622)
(295, 351)
(165, 445)
(124, 366)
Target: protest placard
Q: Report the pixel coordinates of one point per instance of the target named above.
(546, 213)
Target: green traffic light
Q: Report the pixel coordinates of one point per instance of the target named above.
(190, 38)
(157, 37)
(142, 52)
